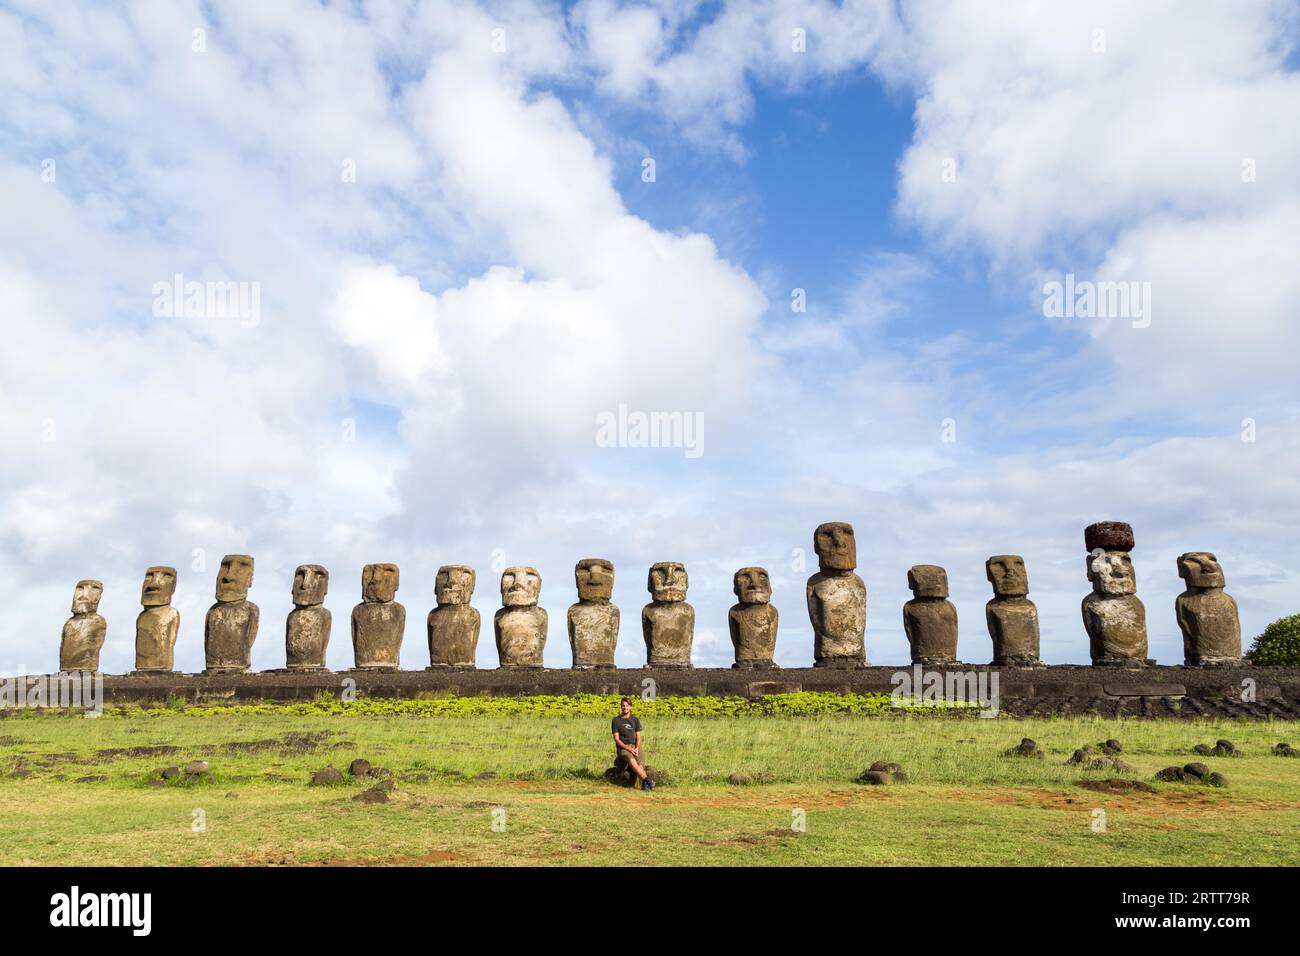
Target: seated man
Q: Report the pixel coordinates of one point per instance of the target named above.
(627, 744)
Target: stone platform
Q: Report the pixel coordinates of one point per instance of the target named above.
(1059, 689)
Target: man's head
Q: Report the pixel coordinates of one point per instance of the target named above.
(625, 706)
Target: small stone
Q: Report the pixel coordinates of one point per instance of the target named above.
(740, 779)
(886, 766)
(876, 778)
(1171, 775)
(359, 767)
(93, 778)
(170, 773)
(1112, 746)
(326, 777)
(373, 795)
(1197, 770)
(899, 776)
(486, 775)
(196, 767)
(1285, 750)
(1122, 767)
(1217, 779)
(232, 795)
(1226, 746)
(1204, 750)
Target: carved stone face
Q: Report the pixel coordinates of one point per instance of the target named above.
(1008, 575)
(310, 584)
(595, 577)
(928, 581)
(379, 583)
(752, 586)
(454, 584)
(1201, 569)
(235, 577)
(667, 581)
(1112, 573)
(520, 587)
(836, 547)
(85, 597)
(159, 586)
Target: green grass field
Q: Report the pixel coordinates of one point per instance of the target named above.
(965, 802)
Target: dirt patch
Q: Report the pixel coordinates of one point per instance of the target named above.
(1115, 785)
(158, 750)
(433, 857)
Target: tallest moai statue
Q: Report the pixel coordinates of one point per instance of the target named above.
(837, 599)
(1113, 615)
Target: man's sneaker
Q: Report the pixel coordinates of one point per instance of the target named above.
(647, 784)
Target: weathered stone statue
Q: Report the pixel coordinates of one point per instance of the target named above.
(930, 619)
(83, 633)
(231, 625)
(668, 622)
(520, 625)
(378, 622)
(593, 621)
(1115, 619)
(307, 629)
(1012, 618)
(158, 624)
(837, 599)
(453, 624)
(753, 621)
(1206, 614)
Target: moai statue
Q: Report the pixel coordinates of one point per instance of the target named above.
(930, 619)
(453, 624)
(158, 624)
(593, 621)
(520, 625)
(83, 633)
(837, 599)
(1207, 615)
(1115, 619)
(231, 626)
(1011, 616)
(307, 629)
(668, 622)
(378, 622)
(753, 621)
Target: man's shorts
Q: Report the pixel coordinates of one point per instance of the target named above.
(620, 759)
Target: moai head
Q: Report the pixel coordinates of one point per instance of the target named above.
(159, 586)
(837, 549)
(1008, 575)
(667, 581)
(86, 595)
(595, 577)
(454, 584)
(520, 587)
(1201, 569)
(235, 577)
(310, 584)
(1111, 573)
(928, 581)
(379, 583)
(752, 586)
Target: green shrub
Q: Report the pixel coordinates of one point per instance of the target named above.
(1279, 645)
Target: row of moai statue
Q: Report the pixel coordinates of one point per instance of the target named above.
(1113, 616)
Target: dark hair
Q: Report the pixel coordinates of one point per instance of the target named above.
(626, 700)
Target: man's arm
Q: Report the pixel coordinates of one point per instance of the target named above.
(618, 743)
(638, 743)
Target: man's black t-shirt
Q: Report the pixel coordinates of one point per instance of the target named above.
(627, 728)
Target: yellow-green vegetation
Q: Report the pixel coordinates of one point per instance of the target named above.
(520, 781)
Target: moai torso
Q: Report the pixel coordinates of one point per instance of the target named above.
(307, 628)
(1207, 615)
(520, 625)
(83, 633)
(378, 622)
(1012, 618)
(930, 619)
(753, 621)
(158, 624)
(231, 625)
(668, 622)
(837, 599)
(1112, 614)
(593, 621)
(453, 624)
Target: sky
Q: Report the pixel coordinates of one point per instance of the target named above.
(467, 233)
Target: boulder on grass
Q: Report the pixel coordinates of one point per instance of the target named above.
(326, 777)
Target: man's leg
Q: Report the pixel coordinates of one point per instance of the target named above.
(632, 763)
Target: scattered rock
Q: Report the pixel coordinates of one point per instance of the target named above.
(196, 767)
(1284, 749)
(1221, 748)
(171, 773)
(1217, 779)
(92, 778)
(359, 767)
(326, 777)
(232, 795)
(1204, 750)
(380, 772)
(1197, 770)
(1226, 746)
(1116, 785)
(740, 779)
(877, 778)
(886, 766)
(1112, 746)
(1170, 775)
(486, 775)
(1026, 748)
(373, 795)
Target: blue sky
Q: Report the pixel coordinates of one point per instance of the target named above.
(440, 329)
